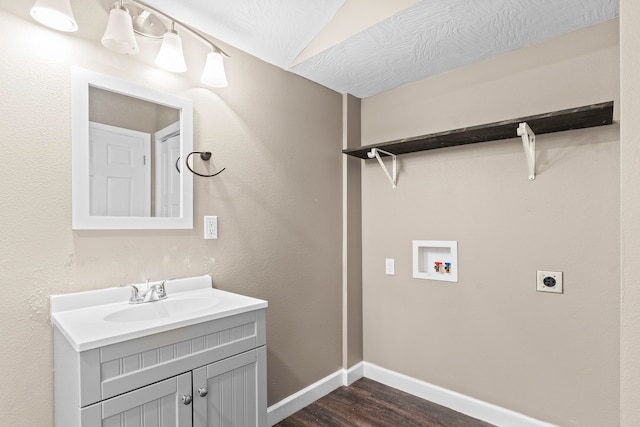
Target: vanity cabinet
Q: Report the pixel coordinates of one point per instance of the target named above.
(155, 405)
(207, 374)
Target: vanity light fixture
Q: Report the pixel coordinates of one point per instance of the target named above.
(56, 14)
(119, 35)
(153, 24)
(170, 56)
(131, 18)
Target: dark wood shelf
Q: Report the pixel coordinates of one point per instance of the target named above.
(557, 121)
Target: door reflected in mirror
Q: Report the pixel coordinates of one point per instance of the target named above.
(134, 146)
(127, 141)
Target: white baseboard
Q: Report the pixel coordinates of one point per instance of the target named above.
(353, 374)
(458, 402)
(306, 396)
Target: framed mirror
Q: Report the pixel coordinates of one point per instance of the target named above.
(128, 142)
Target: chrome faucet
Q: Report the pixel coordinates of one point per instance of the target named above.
(154, 292)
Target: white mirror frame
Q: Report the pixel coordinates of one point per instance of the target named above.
(81, 80)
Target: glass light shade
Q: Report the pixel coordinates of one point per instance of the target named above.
(213, 73)
(119, 35)
(56, 14)
(170, 56)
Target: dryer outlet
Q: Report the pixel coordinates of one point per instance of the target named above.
(549, 281)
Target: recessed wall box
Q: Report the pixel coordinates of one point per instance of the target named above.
(435, 260)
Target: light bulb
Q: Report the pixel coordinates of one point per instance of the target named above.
(170, 56)
(213, 73)
(118, 36)
(56, 14)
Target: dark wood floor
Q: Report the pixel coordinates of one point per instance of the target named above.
(368, 403)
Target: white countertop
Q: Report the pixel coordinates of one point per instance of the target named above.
(81, 317)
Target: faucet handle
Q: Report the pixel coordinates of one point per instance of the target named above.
(160, 290)
(135, 294)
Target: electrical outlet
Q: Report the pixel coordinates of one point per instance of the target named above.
(210, 227)
(390, 267)
(549, 281)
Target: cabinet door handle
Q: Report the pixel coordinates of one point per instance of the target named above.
(186, 399)
(202, 391)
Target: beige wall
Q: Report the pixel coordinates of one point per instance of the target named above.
(630, 210)
(114, 109)
(278, 203)
(352, 235)
(492, 336)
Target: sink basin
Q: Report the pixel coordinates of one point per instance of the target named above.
(102, 317)
(159, 310)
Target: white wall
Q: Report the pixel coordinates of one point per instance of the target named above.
(492, 336)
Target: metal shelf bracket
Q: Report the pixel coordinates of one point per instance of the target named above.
(375, 152)
(529, 145)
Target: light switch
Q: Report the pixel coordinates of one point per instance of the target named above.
(390, 266)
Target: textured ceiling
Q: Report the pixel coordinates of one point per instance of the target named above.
(414, 40)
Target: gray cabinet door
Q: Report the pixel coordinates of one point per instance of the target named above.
(231, 392)
(157, 405)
